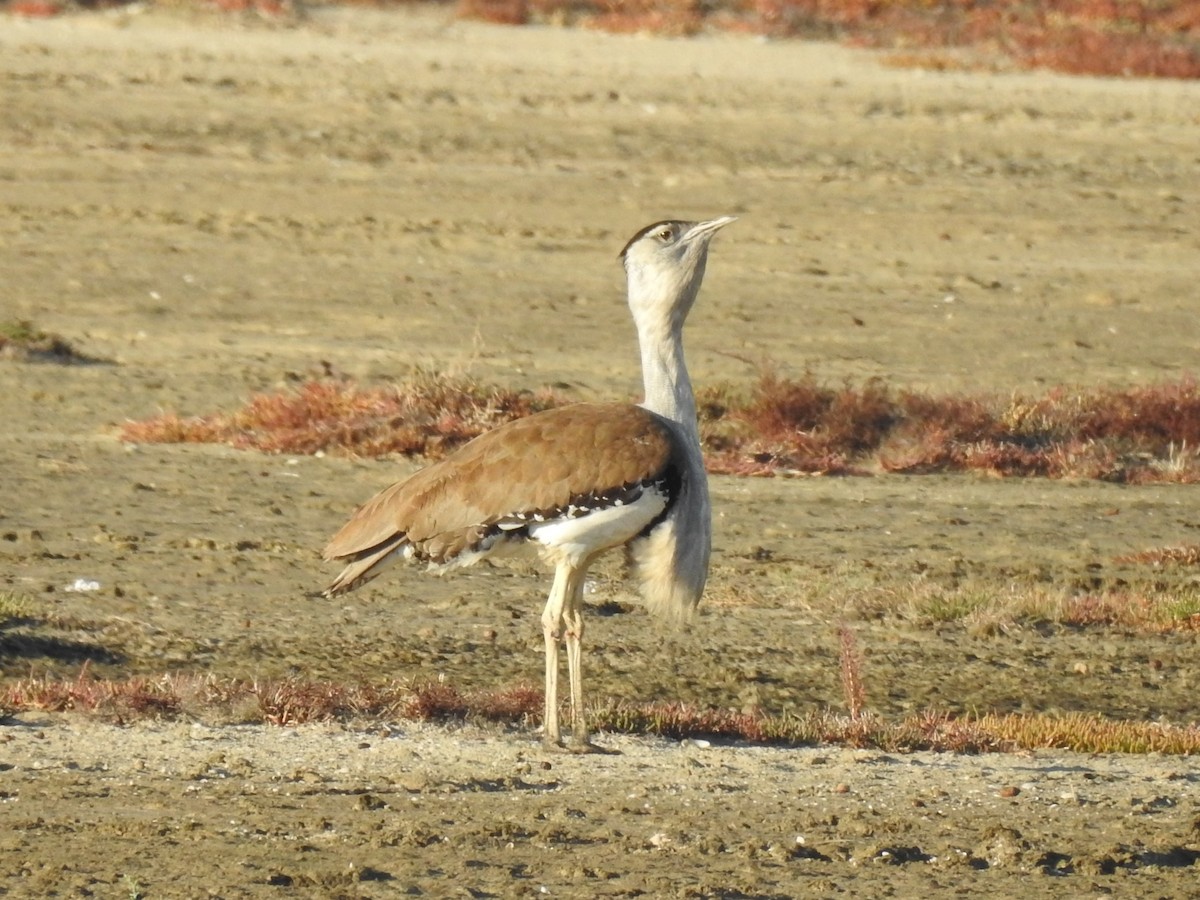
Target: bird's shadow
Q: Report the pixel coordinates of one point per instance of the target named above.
(606, 608)
(22, 645)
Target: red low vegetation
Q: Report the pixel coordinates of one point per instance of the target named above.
(1134, 610)
(425, 417)
(1146, 38)
(1093, 37)
(780, 426)
(295, 702)
(1135, 435)
(33, 9)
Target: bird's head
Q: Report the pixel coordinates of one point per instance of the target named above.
(665, 265)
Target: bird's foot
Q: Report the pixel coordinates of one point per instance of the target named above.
(584, 745)
(575, 746)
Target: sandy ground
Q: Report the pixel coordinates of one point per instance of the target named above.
(220, 209)
(187, 810)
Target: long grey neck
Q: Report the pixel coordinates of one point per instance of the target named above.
(664, 373)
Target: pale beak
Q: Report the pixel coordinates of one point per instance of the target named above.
(707, 229)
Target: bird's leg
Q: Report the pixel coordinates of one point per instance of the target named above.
(552, 629)
(573, 620)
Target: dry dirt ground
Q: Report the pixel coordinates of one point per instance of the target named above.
(218, 209)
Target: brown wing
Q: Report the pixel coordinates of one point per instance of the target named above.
(538, 463)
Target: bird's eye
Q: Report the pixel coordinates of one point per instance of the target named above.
(665, 234)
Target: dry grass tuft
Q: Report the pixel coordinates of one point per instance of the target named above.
(1186, 555)
(680, 720)
(850, 659)
(14, 606)
(1084, 733)
(923, 731)
(983, 610)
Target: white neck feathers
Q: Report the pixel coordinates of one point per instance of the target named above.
(660, 306)
(665, 378)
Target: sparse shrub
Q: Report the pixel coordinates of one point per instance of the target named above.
(948, 605)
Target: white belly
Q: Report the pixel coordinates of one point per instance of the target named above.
(578, 539)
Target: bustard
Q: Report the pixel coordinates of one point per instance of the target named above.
(577, 480)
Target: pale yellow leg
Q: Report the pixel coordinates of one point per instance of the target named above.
(573, 620)
(552, 630)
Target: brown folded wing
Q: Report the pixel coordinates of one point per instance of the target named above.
(533, 465)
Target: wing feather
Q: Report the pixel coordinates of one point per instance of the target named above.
(536, 464)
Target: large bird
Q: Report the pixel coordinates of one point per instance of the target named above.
(575, 481)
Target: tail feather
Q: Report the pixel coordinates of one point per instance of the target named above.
(366, 564)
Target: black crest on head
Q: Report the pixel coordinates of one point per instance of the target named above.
(675, 226)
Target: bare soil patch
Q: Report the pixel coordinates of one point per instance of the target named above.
(221, 210)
